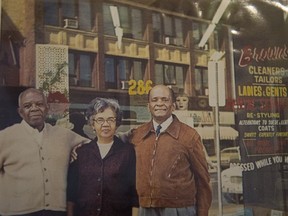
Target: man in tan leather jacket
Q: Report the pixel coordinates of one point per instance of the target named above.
(172, 172)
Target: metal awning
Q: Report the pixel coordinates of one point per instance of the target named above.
(226, 132)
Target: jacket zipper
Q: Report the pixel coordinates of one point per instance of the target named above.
(174, 165)
(152, 167)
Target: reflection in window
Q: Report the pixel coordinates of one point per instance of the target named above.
(68, 9)
(137, 24)
(157, 30)
(51, 13)
(130, 20)
(167, 29)
(198, 31)
(170, 75)
(78, 12)
(85, 16)
(80, 69)
(108, 21)
(201, 81)
(118, 71)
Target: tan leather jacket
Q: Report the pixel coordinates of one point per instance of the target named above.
(171, 169)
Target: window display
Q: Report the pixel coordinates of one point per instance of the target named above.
(75, 51)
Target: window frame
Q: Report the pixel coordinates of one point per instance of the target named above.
(76, 75)
(76, 18)
(202, 90)
(128, 29)
(119, 82)
(175, 79)
(160, 32)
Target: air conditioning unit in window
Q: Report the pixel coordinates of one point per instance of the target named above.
(170, 40)
(71, 23)
(125, 85)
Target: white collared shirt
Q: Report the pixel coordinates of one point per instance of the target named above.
(164, 124)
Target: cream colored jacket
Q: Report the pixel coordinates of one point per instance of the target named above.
(32, 173)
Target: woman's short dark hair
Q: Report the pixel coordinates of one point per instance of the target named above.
(98, 105)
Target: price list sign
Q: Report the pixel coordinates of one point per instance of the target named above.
(261, 78)
(261, 87)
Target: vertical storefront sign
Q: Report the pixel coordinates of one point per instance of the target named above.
(261, 82)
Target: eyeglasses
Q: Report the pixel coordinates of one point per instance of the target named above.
(101, 121)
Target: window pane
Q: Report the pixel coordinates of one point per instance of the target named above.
(68, 9)
(124, 17)
(124, 21)
(136, 17)
(157, 33)
(85, 70)
(201, 80)
(169, 75)
(72, 70)
(179, 32)
(51, 13)
(85, 15)
(138, 70)
(198, 80)
(107, 19)
(196, 32)
(205, 78)
(123, 70)
(110, 79)
(168, 27)
(158, 74)
(179, 76)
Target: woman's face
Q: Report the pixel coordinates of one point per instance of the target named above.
(104, 124)
(182, 102)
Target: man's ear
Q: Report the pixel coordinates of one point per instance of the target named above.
(19, 110)
(148, 107)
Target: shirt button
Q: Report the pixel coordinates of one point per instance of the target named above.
(47, 205)
(99, 179)
(46, 180)
(98, 209)
(47, 194)
(99, 194)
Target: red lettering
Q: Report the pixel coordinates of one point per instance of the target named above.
(249, 54)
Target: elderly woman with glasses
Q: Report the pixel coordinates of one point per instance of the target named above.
(102, 179)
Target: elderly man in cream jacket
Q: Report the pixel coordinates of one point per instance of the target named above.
(34, 159)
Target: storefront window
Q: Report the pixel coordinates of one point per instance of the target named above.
(139, 44)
